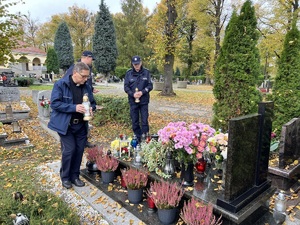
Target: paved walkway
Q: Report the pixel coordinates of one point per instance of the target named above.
(163, 106)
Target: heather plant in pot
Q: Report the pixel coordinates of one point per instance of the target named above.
(166, 196)
(91, 156)
(198, 213)
(107, 165)
(136, 181)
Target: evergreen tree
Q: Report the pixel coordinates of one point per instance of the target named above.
(286, 90)
(52, 61)
(104, 41)
(237, 68)
(63, 46)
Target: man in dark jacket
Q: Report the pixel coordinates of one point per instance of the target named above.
(137, 85)
(87, 57)
(67, 120)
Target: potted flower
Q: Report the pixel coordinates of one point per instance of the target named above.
(135, 181)
(166, 196)
(91, 156)
(107, 164)
(194, 211)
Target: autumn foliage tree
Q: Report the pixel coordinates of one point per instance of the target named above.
(131, 31)
(9, 31)
(237, 69)
(104, 41)
(163, 37)
(63, 46)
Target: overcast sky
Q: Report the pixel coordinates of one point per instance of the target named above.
(42, 10)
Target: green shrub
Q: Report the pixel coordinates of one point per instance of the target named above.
(115, 110)
(24, 81)
(121, 71)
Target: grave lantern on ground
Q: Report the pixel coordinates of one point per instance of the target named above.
(16, 126)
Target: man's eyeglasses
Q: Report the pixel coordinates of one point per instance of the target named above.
(84, 76)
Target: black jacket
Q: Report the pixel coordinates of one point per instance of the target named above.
(140, 80)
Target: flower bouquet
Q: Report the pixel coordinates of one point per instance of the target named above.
(45, 103)
(188, 143)
(218, 146)
(195, 212)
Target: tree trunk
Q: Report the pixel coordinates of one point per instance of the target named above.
(168, 70)
(170, 48)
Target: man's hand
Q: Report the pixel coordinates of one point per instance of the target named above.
(138, 94)
(95, 90)
(80, 108)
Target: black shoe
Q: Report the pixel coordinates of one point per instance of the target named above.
(78, 183)
(67, 184)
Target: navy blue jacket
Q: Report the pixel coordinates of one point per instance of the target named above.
(140, 80)
(62, 104)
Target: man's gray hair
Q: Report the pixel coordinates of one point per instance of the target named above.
(79, 66)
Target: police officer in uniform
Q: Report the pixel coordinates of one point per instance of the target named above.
(137, 85)
(67, 120)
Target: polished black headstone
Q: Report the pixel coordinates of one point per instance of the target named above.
(265, 109)
(241, 168)
(289, 147)
(242, 155)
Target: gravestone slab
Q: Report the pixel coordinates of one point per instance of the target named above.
(265, 109)
(43, 95)
(9, 94)
(241, 168)
(289, 147)
(242, 153)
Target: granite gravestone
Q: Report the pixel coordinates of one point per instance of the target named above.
(289, 147)
(9, 94)
(41, 96)
(265, 109)
(241, 181)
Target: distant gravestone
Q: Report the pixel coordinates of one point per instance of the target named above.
(9, 94)
(43, 95)
(289, 147)
(242, 163)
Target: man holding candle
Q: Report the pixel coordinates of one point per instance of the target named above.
(137, 85)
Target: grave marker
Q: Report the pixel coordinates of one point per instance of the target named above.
(9, 94)
(241, 169)
(289, 147)
(265, 109)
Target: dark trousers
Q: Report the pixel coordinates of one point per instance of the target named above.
(72, 147)
(138, 111)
